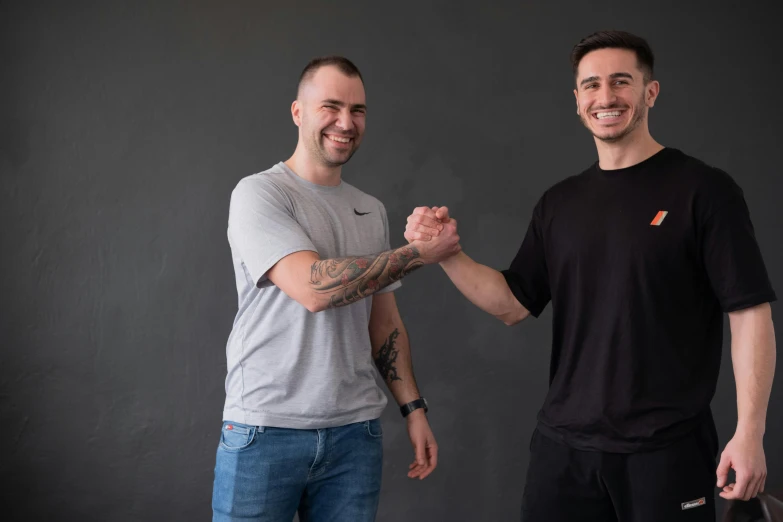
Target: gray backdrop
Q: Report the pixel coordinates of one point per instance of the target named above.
(124, 127)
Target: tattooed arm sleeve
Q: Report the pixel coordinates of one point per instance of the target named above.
(342, 281)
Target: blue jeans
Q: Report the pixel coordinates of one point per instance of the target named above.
(268, 474)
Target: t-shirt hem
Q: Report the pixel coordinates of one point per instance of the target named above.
(272, 260)
(531, 307)
(749, 300)
(271, 420)
(391, 288)
(604, 444)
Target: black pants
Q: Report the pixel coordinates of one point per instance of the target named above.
(673, 484)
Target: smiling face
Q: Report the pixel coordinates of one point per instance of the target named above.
(330, 111)
(612, 97)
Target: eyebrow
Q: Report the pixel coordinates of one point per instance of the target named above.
(612, 76)
(341, 104)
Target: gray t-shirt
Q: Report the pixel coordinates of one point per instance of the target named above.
(288, 367)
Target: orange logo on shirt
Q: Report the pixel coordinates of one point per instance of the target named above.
(658, 219)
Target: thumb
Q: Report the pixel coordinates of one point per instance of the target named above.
(442, 213)
(723, 469)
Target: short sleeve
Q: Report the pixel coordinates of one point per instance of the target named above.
(387, 246)
(527, 277)
(262, 227)
(732, 257)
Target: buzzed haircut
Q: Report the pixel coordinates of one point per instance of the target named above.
(344, 65)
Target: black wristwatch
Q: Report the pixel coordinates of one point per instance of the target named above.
(421, 402)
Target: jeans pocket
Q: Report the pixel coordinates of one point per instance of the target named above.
(236, 437)
(374, 428)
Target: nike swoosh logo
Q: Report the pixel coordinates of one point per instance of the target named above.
(360, 213)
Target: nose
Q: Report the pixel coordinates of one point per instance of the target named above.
(606, 96)
(345, 120)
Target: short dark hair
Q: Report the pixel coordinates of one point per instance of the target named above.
(616, 40)
(345, 66)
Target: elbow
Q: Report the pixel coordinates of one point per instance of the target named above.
(512, 318)
(505, 319)
(313, 308)
(314, 304)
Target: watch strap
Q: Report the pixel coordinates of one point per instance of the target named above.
(407, 409)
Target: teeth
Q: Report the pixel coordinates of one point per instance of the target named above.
(611, 114)
(338, 139)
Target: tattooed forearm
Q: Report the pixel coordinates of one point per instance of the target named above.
(346, 280)
(386, 357)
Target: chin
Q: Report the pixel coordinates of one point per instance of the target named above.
(338, 160)
(609, 135)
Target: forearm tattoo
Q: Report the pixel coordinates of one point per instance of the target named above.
(348, 279)
(386, 357)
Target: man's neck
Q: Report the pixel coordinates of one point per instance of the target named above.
(631, 150)
(312, 171)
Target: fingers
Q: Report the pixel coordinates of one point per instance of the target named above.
(740, 489)
(442, 213)
(723, 469)
(423, 220)
(758, 485)
(432, 454)
(420, 464)
(421, 454)
(425, 211)
(416, 236)
(753, 490)
(417, 470)
(414, 470)
(422, 225)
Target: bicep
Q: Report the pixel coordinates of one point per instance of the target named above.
(732, 258)
(292, 274)
(262, 229)
(528, 276)
(750, 319)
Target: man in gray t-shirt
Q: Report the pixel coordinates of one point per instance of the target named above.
(317, 317)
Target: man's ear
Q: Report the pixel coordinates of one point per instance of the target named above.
(652, 90)
(296, 113)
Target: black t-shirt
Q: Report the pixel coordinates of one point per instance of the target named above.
(640, 264)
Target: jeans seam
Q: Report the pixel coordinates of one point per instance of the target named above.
(315, 472)
(370, 433)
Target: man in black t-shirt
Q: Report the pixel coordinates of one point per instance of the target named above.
(640, 255)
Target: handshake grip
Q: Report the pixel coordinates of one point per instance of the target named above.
(434, 234)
